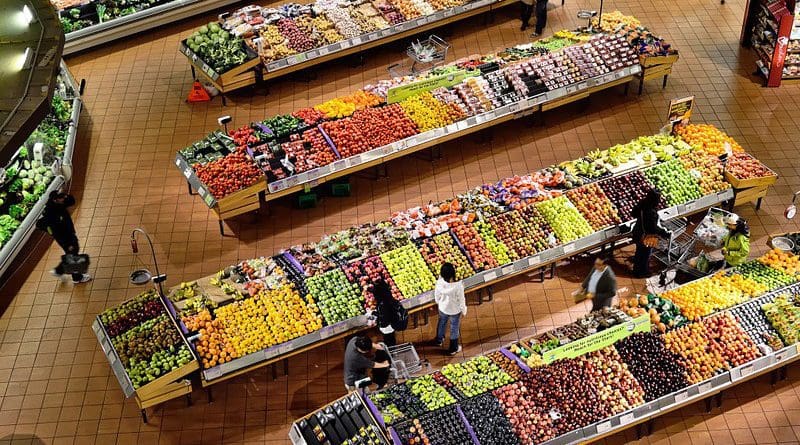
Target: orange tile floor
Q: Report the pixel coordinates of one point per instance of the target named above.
(55, 384)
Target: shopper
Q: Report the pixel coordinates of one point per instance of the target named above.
(390, 314)
(600, 285)
(645, 231)
(541, 17)
(360, 356)
(450, 300)
(57, 221)
(526, 13)
(736, 244)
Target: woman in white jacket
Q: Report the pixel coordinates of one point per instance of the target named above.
(449, 296)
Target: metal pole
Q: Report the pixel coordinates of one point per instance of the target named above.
(153, 252)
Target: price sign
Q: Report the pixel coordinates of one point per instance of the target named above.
(345, 44)
(354, 160)
(324, 50)
(201, 191)
(489, 276)
(312, 54)
(513, 108)
(187, 172)
(569, 248)
(508, 269)
(357, 41)
(626, 419)
(340, 164)
(213, 373)
(704, 387)
(534, 260)
(178, 162)
(603, 427)
(681, 396)
(742, 372)
(421, 21)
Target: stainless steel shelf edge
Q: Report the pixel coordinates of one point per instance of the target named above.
(112, 357)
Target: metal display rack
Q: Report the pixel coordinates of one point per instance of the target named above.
(14, 246)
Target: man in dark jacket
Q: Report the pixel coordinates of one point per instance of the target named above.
(647, 224)
(57, 221)
(600, 285)
(541, 17)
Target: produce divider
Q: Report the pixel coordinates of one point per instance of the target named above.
(293, 63)
(83, 28)
(766, 361)
(310, 147)
(23, 196)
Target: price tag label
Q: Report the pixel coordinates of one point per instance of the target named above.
(95, 328)
(212, 373)
(742, 372)
(569, 248)
(324, 50)
(354, 160)
(112, 359)
(704, 387)
(534, 260)
(421, 21)
(508, 269)
(681, 396)
(291, 181)
(603, 427)
(356, 41)
(489, 276)
(187, 172)
(177, 162)
(513, 108)
(626, 419)
(341, 164)
(462, 125)
(689, 206)
(201, 191)
(345, 44)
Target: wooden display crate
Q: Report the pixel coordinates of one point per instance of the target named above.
(763, 181)
(752, 194)
(237, 77)
(654, 67)
(238, 203)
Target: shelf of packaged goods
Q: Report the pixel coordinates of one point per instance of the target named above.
(22, 234)
(437, 136)
(424, 301)
(137, 22)
(376, 38)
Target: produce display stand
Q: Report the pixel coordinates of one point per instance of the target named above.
(272, 70)
(271, 356)
(774, 362)
(139, 21)
(654, 67)
(62, 169)
(166, 387)
(338, 421)
(405, 147)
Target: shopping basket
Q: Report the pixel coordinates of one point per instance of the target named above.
(404, 362)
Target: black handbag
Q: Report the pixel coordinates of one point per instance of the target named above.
(75, 263)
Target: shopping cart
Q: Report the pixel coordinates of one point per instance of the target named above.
(404, 362)
(422, 56)
(689, 252)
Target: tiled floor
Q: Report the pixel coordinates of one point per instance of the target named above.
(55, 384)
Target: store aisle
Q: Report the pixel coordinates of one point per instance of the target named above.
(55, 383)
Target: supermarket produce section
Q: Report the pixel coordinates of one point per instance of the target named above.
(262, 310)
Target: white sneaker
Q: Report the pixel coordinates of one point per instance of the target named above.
(61, 277)
(84, 279)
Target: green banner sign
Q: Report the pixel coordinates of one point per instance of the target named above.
(599, 340)
(397, 94)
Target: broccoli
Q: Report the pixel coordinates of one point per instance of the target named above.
(16, 211)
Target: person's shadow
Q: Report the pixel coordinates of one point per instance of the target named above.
(21, 439)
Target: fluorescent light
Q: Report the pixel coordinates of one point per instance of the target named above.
(24, 60)
(27, 14)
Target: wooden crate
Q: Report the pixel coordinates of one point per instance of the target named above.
(156, 388)
(750, 182)
(751, 194)
(237, 77)
(243, 201)
(648, 61)
(168, 392)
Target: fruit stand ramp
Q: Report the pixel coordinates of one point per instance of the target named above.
(654, 67)
(166, 387)
(380, 155)
(420, 303)
(753, 188)
(234, 204)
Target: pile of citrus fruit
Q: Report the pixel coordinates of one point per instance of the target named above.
(783, 261)
(707, 138)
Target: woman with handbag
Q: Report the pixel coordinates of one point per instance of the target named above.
(646, 232)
